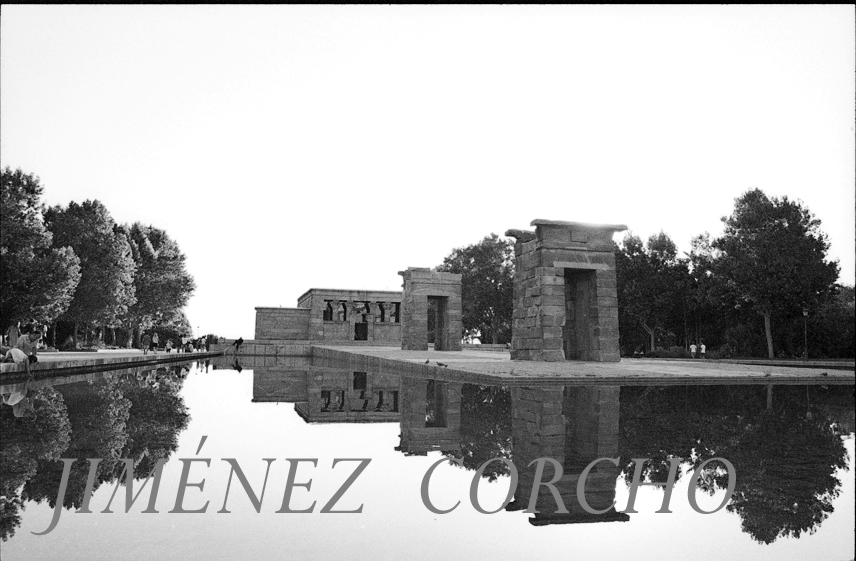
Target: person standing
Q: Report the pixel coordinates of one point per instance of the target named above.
(146, 343)
(155, 342)
(29, 342)
(693, 349)
(702, 349)
(13, 333)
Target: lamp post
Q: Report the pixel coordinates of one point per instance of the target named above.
(805, 335)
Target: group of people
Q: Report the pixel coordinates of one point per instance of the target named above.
(22, 344)
(188, 345)
(21, 347)
(694, 348)
(150, 342)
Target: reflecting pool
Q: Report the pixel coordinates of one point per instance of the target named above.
(791, 448)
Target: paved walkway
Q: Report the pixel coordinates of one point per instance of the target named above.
(61, 363)
(498, 367)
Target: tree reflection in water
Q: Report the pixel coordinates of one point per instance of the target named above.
(24, 442)
(137, 415)
(786, 457)
(485, 428)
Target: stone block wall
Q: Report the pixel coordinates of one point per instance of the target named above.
(377, 313)
(565, 301)
(377, 310)
(420, 284)
(416, 437)
(282, 323)
(573, 425)
(280, 384)
(592, 413)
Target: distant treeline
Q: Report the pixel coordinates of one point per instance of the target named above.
(91, 280)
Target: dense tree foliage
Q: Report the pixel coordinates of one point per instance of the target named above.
(75, 268)
(652, 285)
(106, 288)
(162, 284)
(38, 277)
(774, 258)
(739, 293)
(487, 285)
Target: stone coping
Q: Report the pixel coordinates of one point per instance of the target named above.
(498, 368)
(339, 291)
(63, 363)
(614, 227)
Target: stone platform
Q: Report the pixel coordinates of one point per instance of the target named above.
(498, 368)
(66, 363)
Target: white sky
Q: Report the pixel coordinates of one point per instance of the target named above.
(286, 148)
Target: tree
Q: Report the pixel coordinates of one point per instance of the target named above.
(487, 286)
(713, 316)
(773, 257)
(832, 331)
(106, 286)
(652, 284)
(163, 286)
(36, 281)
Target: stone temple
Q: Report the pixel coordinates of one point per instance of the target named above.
(565, 303)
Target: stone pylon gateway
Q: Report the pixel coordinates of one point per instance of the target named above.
(420, 286)
(565, 300)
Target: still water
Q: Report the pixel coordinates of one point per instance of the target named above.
(793, 497)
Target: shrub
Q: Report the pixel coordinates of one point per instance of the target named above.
(671, 352)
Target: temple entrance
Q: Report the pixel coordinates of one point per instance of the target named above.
(431, 295)
(580, 314)
(438, 322)
(435, 404)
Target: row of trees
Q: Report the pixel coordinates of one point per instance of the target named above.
(76, 268)
(763, 288)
